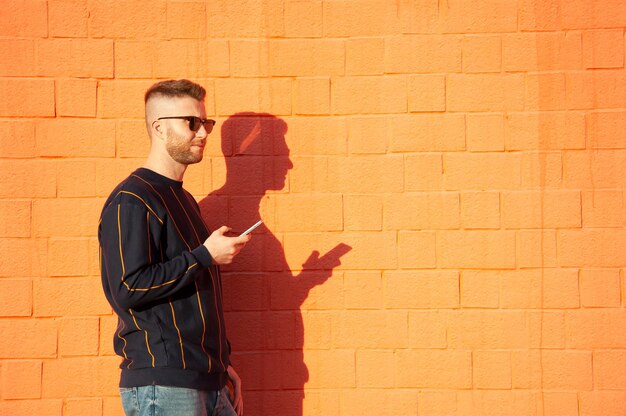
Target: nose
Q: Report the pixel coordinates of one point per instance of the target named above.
(202, 132)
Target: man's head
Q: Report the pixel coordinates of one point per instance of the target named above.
(176, 119)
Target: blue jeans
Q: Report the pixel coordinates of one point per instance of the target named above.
(175, 401)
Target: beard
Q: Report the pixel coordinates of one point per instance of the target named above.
(179, 149)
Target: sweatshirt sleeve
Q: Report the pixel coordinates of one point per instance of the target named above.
(131, 261)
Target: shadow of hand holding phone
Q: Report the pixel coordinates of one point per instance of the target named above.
(262, 295)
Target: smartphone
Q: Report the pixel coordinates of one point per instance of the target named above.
(249, 230)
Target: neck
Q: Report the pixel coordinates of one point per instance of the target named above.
(165, 166)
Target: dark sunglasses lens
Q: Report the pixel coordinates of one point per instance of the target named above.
(194, 123)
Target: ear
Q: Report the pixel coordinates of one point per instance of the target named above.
(158, 129)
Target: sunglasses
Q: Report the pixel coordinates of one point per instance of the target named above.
(195, 122)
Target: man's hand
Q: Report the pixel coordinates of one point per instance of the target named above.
(237, 399)
(222, 248)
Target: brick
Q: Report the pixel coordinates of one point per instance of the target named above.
(490, 16)
(548, 330)
(32, 256)
(307, 57)
(595, 329)
(312, 96)
(21, 379)
(17, 139)
(309, 174)
(592, 14)
(330, 369)
(482, 171)
(489, 249)
(535, 209)
(546, 91)
(362, 290)
(545, 131)
(594, 170)
(606, 403)
(314, 290)
(121, 99)
(367, 174)
(482, 54)
(122, 19)
(370, 329)
(436, 403)
(226, 20)
(480, 210)
(303, 19)
(542, 170)
(603, 49)
(539, 51)
(605, 130)
(428, 132)
(76, 407)
(375, 368)
(388, 402)
(500, 402)
(560, 404)
(423, 54)
(79, 336)
(75, 58)
(110, 172)
(369, 250)
(131, 139)
(108, 326)
(370, 95)
(480, 289)
(15, 218)
(595, 89)
(434, 369)
(540, 15)
(76, 178)
(417, 250)
(485, 132)
(321, 403)
(17, 57)
(488, 92)
(359, 18)
(192, 14)
(26, 97)
(76, 97)
(362, 212)
(69, 297)
(591, 248)
(31, 407)
(602, 208)
(560, 288)
(567, 370)
(521, 289)
(30, 338)
(68, 19)
(323, 212)
(491, 369)
(488, 330)
(62, 264)
(526, 369)
(365, 56)
(420, 17)
(134, 59)
(65, 137)
(600, 288)
(249, 58)
(83, 377)
(423, 172)
(317, 329)
(421, 289)
(259, 95)
(24, 19)
(428, 329)
(608, 370)
(427, 93)
(16, 297)
(191, 59)
(27, 178)
(368, 135)
(421, 211)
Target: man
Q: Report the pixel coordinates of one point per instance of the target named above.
(160, 271)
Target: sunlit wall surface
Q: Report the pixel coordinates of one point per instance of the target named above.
(442, 185)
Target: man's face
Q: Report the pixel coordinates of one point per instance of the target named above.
(183, 144)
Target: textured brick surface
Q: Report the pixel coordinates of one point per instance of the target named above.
(443, 201)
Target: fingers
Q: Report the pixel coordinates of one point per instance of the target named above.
(223, 230)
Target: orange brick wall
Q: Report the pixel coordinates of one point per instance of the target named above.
(470, 153)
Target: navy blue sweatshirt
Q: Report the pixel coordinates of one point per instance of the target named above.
(159, 278)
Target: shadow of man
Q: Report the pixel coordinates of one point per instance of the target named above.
(262, 296)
